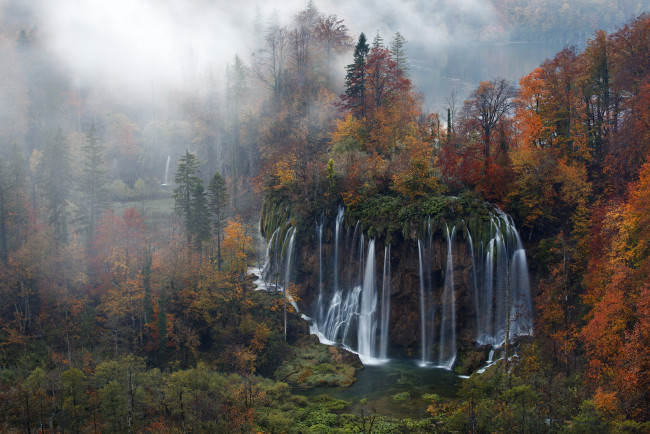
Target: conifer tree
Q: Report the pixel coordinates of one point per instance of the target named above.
(147, 303)
(4, 213)
(199, 216)
(217, 202)
(355, 79)
(93, 185)
(190, 201)
(55, 179)
(398, 50)
(18, 180)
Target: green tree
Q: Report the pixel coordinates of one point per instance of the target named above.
(93, 184)
(200, 217)
(355, 79)
(398, 50)
(54, 169)
(13, 211)
(162, 330)
(5, 189)
(18, 179)
(190, 201)
(147, 303)
(74, 397)
(217, 202)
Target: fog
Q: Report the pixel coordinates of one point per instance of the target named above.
(129, 46)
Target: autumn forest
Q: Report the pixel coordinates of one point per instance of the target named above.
(140, 228)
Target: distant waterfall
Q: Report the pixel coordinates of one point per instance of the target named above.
(167, 171)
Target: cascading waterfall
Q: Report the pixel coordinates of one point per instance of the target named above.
(339, 222)
(319, 302)
(521, 322)
(291, 234)
(447, 347)
(351, 310)
(385, 306)
(367, 329)
(169, 157)
(423, 328)
(504, 269)
(474, 282)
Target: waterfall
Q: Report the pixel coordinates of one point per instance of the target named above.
(504, 269)
(522, 308)
(474, 283)
(385, 306)
(291, 234)
(339, 221)
(319, 302)
(487, 330)
(423, 329)
(447, 350)
(350, 309)
(367, 328)
(167, 170)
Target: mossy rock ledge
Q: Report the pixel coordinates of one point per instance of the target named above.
(312, 364)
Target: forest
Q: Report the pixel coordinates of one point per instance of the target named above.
(134, 225)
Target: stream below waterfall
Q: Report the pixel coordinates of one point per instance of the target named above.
(379, 384)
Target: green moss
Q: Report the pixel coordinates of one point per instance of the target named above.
(314, 365)
(389, 215)
(402, 397)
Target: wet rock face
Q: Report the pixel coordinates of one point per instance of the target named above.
(405, 318)
(439, 284)
(405, 295)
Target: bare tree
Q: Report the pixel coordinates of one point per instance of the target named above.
(302, 36)
(487, 106)
(268, 63)
(332, 35)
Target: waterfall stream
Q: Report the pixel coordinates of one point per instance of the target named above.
(350, 309)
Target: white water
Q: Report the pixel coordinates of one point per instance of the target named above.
(367, 329)
(447, 350)
(474, 283)
(385, 306)
(423, 328)
(504, 269)
(351, 311)
(167, 171)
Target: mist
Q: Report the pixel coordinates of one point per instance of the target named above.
(130, 47)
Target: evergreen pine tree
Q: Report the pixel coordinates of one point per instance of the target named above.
(398, 50)
(54, 170)
(189, 200)
(4, 212)
(18, 180)
(378, 42)
(199, 216)
(93, 184)
(147, 303)
(162, 330)
(355, 79)
(217, 202)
